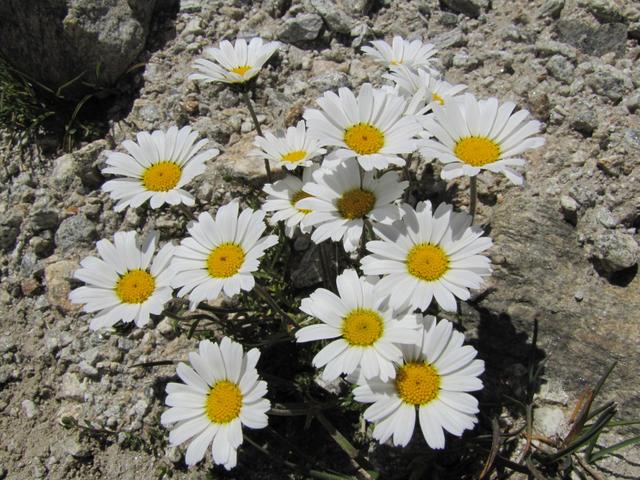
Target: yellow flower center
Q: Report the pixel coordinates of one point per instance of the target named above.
(225, 260)
(161, 177)
(364, 138)
(241, 70)
(362, 327)
(294, 156)
(477, 151)
(437, 98)
(395, 62)
(224, 402)
(135, 286)
(356, 203)
(417, 383)
(299, 195)
(427, 261)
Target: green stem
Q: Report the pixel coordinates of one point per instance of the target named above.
(282, 243)
(188, 213)
(406, 169)
(190, 318)
(327, 278)
(369, 234)
(311, 473)
(346, 446)
(299, 409)
(406, 172)
(256, 124)
(222, 310)
(407, 176)
(473, 195)
(266, 296)
(274, 339)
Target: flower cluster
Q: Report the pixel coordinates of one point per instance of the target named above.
(340, 183)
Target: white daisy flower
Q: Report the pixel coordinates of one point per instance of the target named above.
(221, 393)
(371, 127)
(425, 256)
(295, 149)
(124, 283)
(413, 54)
(341, 198)
(363, 325)
(237, 63)
(157, 167)
(428, 89)
(472, 135)
(434, 379)
(220, 255)
(282, 197)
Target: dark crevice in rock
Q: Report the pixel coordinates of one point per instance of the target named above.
(80, 108)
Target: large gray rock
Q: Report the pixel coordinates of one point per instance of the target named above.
(471, 8)
(615, 251)
(335, 17)
(55, 41)
(560, 68)
(605, 10)
(609, 82)
(302, 28)
(586, 321)
(75, 231)
(79, 167)
(583, 119)
(9, 230)
(551, 8)
(586, 33)
(594, 40)
(43, 217)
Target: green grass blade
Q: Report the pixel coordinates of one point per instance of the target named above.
(623, 423)
(583, 439)
(153, 364)
(603, 379)
(600, 454)
(67, 84)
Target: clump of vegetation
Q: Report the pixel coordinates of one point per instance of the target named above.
(22, 114)
(50, 119)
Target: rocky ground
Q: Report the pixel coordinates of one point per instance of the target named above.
(565, 245)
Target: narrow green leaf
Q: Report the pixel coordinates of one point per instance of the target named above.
(154, 364)
(64, 86)
(495, 448)
(609, 450)
(623, 423)
(599, 410)
(581, 441)
(192, 330)
(531, 371)
(603, 379)
(535, 473)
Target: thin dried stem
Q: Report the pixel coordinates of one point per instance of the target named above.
(345, 445)
(256, 124)
(266, 296)
(473, 196)
(188, 213)
(327, 278)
